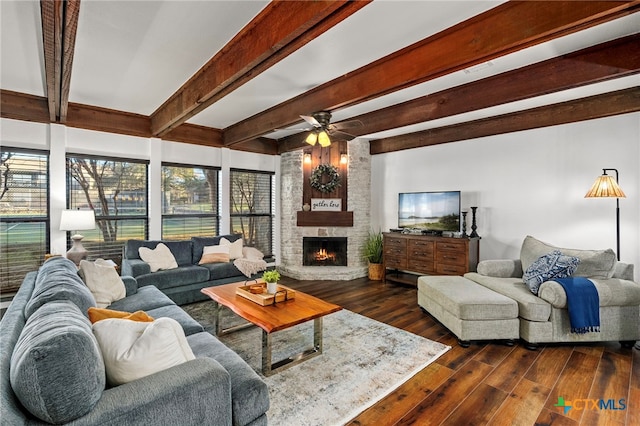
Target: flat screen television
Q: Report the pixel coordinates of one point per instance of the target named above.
(430, 211)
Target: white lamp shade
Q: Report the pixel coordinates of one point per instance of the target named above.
(77, 220)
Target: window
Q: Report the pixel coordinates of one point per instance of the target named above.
(190, 200)
(24, 214)
(116, 189)
(252, 207)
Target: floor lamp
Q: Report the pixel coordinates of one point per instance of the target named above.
(606, 186)
(77, 220)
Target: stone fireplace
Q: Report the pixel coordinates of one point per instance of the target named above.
(358, 201)
(324, 251)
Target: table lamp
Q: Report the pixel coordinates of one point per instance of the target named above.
(77, 220)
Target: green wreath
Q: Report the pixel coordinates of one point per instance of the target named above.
(316, 178)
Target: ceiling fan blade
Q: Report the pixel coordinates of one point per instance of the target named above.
(338, 134)
(348, 124)
(311, 120)
(295, 129)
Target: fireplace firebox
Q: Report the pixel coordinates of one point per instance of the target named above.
(324, 251)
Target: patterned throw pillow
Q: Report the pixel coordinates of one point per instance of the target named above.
(551, 265)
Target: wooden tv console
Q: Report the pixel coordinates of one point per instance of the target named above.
(406, 256)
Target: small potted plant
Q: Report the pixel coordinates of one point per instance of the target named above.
(372, 251)
(271, 278)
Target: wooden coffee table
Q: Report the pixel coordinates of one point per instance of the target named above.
(272, 318)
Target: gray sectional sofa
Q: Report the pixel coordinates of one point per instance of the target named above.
(52, 370)
(182, 284)
(476, 306)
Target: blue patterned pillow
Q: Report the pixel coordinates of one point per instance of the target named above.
(551, 265)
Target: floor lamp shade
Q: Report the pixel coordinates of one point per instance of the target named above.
(607, 186)
(77, 220)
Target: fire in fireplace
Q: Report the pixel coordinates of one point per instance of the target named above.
(324, 251)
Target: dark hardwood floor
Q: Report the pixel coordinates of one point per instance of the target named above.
(491, 383)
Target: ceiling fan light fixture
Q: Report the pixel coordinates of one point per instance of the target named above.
(312, 138)
(323, 139)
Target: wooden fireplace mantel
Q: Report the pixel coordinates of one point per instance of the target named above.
(325, 218)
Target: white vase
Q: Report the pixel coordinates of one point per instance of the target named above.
(272, 288)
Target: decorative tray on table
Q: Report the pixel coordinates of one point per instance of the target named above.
(258, 293)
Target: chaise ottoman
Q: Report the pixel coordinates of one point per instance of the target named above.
(469, 310)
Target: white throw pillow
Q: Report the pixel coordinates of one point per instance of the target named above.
(214, 254)
(235, 248)
(103, 281)
(132, 350)
(158, 258)
(252, 253)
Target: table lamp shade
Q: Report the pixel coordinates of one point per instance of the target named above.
(77, 220)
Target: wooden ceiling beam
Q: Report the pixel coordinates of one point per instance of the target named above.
(599, 106)
(613, 59)
(71, 14)
(21, 106)
(279, 30)
(507, 28)
(51, 16)
(59, 27)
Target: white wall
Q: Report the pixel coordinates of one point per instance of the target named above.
(527, 183)
(61, 140)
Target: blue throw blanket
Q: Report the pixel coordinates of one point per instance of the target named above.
(583, 304)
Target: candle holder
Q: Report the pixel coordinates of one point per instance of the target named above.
(464, 225)
(474, 234)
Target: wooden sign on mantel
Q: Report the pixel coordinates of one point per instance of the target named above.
(326, 204)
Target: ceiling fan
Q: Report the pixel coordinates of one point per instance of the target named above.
(322, 128)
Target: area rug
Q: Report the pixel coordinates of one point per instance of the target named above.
(362, 361)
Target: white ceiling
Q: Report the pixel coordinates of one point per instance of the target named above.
(132, 55)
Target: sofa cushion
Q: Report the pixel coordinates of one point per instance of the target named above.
(132, 350)
(175, 277)
(530, 307)
(215, 254)
(249, 393)
(57, 370)
(58, 279)
(593, 263)
(188, 324)
(199, 243)
(181, 250)
(159, 258)
(103, 281)
(500, 268)
(145, 299)
(548, 266)
(611, 292)
(222, 270)
(99, 314)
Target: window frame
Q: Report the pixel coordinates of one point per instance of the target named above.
(143, 217)
(216, 214)
(44, 219)
(272, 205)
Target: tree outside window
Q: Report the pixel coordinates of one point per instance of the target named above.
(252, 205)
(116, 190)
